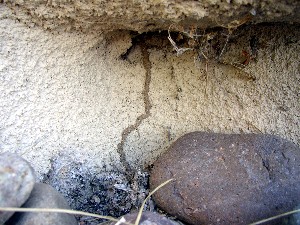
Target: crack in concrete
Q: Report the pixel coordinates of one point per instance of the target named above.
(127, 131)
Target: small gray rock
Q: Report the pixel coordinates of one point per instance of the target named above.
(228, 178)
(16, 182)
(148, 218)
(44, 196)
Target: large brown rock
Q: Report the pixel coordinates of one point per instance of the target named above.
(228, 178)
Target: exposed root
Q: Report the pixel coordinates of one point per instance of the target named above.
(208, 44)
(179, 51)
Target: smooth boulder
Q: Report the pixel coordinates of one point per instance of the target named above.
(228, 178)
(17, 180)
(43, 196)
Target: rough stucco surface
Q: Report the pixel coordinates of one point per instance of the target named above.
(90, 16)
(232, 105)
(70, 94)
(59, 93)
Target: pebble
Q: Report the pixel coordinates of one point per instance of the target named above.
(148, 218)
(17, 180)
(228, 178)
(44, 196)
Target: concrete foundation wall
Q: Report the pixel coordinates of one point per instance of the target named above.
(140, 15)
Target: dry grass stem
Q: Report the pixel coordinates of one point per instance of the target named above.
(276, 217)
(68, 211)
(146, 199)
